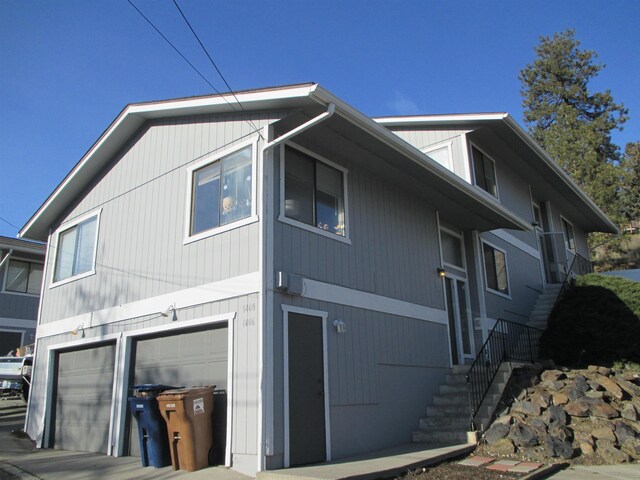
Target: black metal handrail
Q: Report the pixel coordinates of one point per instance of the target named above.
(582, 266)
(507, 341)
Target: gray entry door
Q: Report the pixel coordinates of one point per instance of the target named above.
(307, 441)
(83, 396)
(186, 359)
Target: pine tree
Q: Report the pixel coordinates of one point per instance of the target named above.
(630, 185)
(571, 123)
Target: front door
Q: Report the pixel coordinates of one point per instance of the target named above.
(460, 328)
(306, 389)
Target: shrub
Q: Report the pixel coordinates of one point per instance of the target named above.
(597, 321)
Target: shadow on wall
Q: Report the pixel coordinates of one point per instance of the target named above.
(591, 325)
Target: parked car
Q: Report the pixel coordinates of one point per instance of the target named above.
(15, 375)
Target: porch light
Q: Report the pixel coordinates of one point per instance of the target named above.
(442, 273)
(170, 310)
(340, 326)
(78, 329)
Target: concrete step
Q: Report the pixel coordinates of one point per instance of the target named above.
(458, 379)
(460, 369)
(428, 423)
(458, 410)
(451, 399)
(439, 436)
(457, 388)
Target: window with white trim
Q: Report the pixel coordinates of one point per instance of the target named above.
(314, 192)
(221, 191)
(452, 251)
(484, 170)
(495, 269)
(76, 249)
(441, 154)
(23, 277)
(569, 238)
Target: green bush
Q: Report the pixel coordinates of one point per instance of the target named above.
(597, 321)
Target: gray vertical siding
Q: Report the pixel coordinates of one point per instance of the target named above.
(245, 381)
(394, 249)
(140, 251)
(382, 374)
(422, 137)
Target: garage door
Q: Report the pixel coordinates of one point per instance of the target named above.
(195, 357)
(83, 399)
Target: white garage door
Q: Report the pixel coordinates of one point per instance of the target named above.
(83, 396)
(186, 359)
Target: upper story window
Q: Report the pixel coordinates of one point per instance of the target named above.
(441, 153)
(484, 170)
(569, 238)
(314, 193)
(76, 249)
(23, 277)
(452, 251)
(495, 269)
(537, 216)
(220, 193)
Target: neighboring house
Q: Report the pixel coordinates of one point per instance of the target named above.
(21, 264)
(286, 249)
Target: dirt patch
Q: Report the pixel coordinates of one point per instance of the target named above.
(454, 471)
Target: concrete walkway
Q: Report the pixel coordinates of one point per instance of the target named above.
(18, 459)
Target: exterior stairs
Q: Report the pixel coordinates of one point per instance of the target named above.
(544, 305)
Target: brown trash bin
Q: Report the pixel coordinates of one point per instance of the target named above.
(187, 412)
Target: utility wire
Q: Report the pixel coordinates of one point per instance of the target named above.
(193, 66)
(204, 49)
(9, 223)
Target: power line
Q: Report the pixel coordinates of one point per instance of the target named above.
(209, 56)
(194, 68)
(9, 223)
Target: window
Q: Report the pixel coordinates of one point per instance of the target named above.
(485, 172)
(495, 268)
(569, 239)
(451, 249)
(441, 154)
(23, 277)
(76, 249)
(221, 191)
(537, 216)
(314, 192)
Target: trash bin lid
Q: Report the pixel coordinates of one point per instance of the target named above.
(149, 389)
(179, 393)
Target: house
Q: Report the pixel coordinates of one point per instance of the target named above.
(21, 264)
(288, 249)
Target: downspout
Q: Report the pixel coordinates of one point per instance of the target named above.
(6, 257)
(266, 434)
(301, 128)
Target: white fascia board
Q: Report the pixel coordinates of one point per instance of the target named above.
(518, 130)
(131, 118)
(401, 146)
(448, 119)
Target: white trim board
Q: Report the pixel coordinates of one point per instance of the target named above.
(519, 244)
(17, 323)
(356, 298)
(210, 292)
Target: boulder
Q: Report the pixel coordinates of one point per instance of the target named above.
(594, 394)
(609, 385)
(496, 432)
(601, 409)
(629, 412)
(503, 446)
(624, 432)
(552, 375)
(631, 448)
(562, 433)
(631, 388)
(609, 453)
(523, 436)
(604, 433)
(572, 392)
(578, 408)
(555, 416)
(559, 398)
(558, 448)
(580, 383)
(526, 407)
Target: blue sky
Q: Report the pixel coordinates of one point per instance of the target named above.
(67, 67)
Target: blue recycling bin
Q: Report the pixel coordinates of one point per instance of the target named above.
(152, 429)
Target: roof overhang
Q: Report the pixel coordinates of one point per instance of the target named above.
(593, 219)
(20, 245)
(485, 212)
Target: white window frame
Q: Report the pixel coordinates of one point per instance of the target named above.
(6, 275)
(506, 266)
(63, 228)
(208, 160)
(567, 245)
(448, 144)
(460, 237)
(304, 226)
(473, 170)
